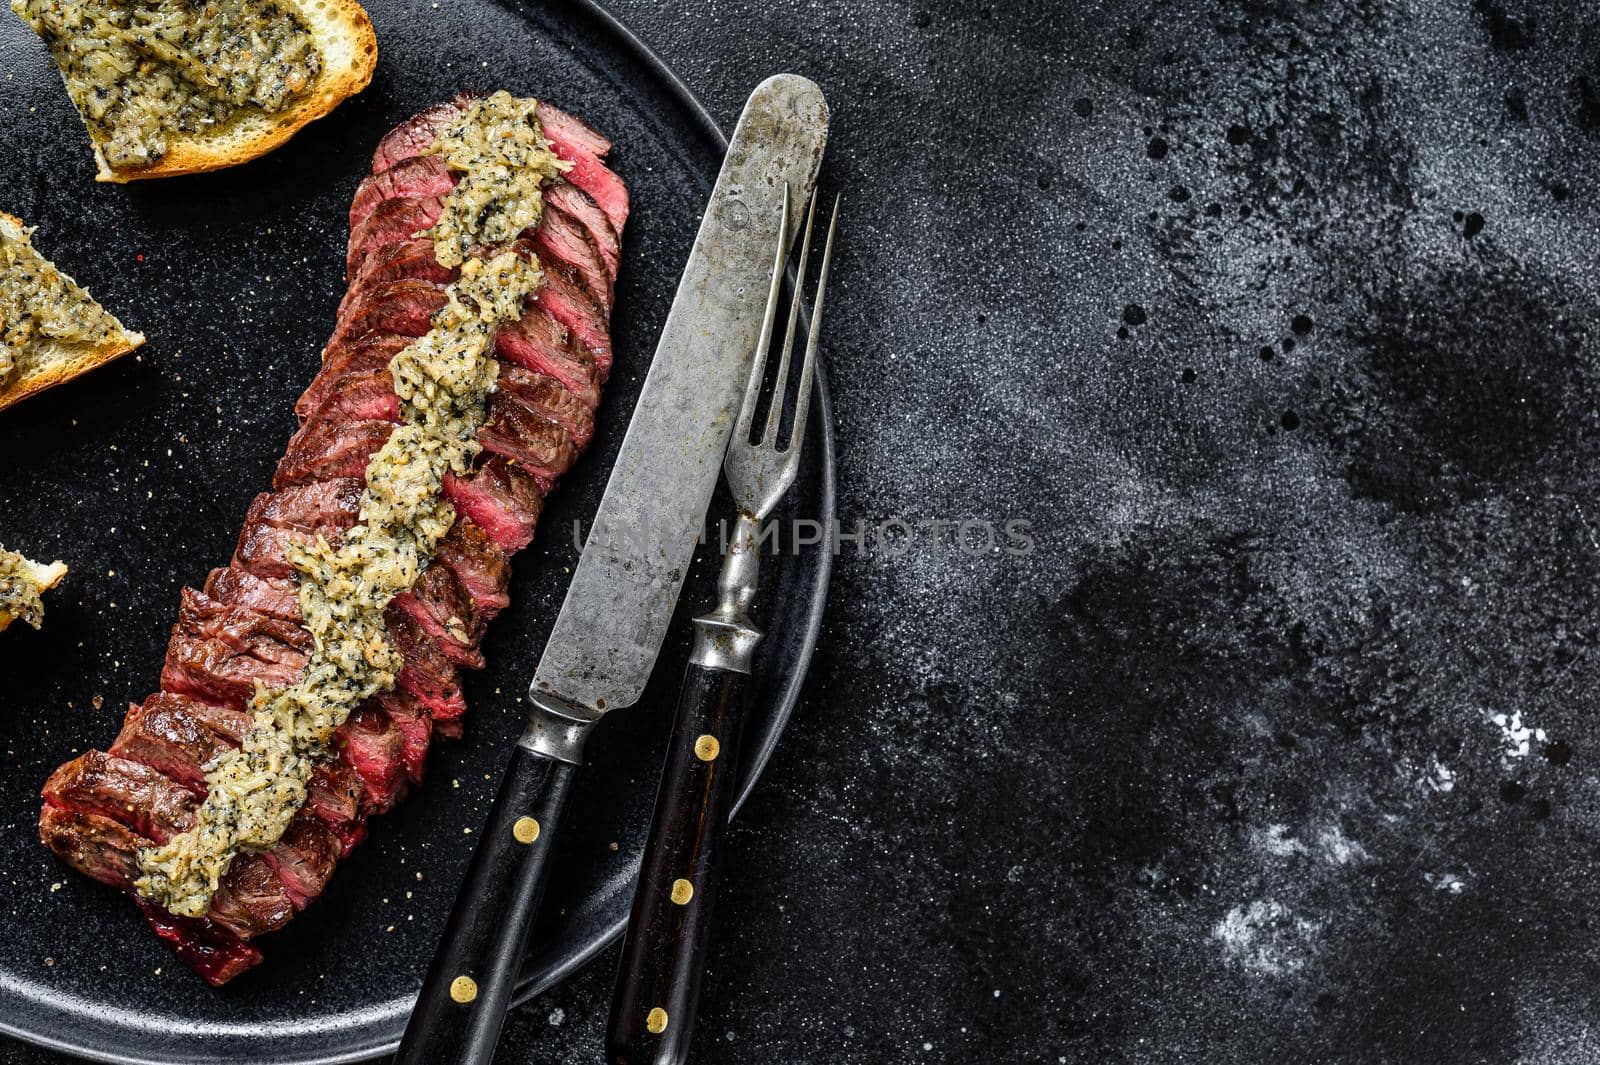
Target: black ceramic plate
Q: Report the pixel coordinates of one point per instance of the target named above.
(138, 476)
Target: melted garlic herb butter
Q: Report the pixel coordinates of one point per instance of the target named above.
(140, 71)
(22, 584)
(39, 302)
(499, 148)
(443, 381)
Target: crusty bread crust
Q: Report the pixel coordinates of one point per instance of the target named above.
(349, 48)
(46, 575)
(52, 362)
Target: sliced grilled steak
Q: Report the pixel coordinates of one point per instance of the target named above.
(407, 260)
(479, 564)
(244, 629)
(570, 305)
(251, 899)
(404, 307)
(372, 745)
(417, 177)
(428, 674)
(277, 597)
(567, 197)
(176, 736)
(95, 846)
(549, 397)
(331, 449)
(562, 238)
(372, 352)
(391, 222)
(541, 344)
(304, 859)
(501, 500)
(133, 795)
(528, 437)
(299, 513)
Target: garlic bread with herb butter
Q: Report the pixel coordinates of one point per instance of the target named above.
(51, 329)
(169, 87)
(22, 582)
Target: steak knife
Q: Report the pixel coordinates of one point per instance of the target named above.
(604, 644)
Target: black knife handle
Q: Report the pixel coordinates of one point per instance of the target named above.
(464, 999)
(663, 956)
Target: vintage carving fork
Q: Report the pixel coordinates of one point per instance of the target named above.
(663, 956)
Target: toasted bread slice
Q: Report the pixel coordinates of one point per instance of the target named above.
(47, 362)
(22, 581)
(349, 48)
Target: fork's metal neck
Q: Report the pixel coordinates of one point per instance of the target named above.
(725, 638)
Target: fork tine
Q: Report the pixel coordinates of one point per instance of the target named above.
(752, 390)
(780, 390)
(802, 404)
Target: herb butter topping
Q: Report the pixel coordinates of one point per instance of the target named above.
(22, 583)
(141, 70)
(499, 148)
(39, 302)
(443, 380)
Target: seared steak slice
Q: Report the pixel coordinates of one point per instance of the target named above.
(410, 137)
(578, 204)
(334, 449)
(204, 946)
(248, 631)
(251, 899)
(415, 726)
(177, 736)
(562, 238)
(360, 397)
(372, 745)
(218, 654)
(334, 793)
(479, 564)
(277, 597)
(540, 343)
(96, 846)
(409, 260)
(131, 794)
(372, 352)
(443, 607)
(576, 143)
(427, 675)
(573, 130)
(528, 437)
(548, 396)
(299, 513)
(501, 500)
(405, 307)
(391, 222)
(570, 305)
(304, 859)
(414, 178)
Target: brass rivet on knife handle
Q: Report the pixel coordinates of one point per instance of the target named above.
(656, 1021)
(526, 830)
(706, 748)
(463, 989)
(682, 891)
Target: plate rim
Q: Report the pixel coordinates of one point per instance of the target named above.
(785, 699)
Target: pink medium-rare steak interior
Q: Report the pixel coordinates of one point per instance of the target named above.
(244, 626)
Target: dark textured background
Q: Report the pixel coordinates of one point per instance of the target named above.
(1277, 323)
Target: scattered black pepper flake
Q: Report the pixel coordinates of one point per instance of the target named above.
(1133, 314)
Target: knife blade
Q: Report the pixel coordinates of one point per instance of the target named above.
(605, 640)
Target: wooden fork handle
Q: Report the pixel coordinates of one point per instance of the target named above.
(663, 956)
